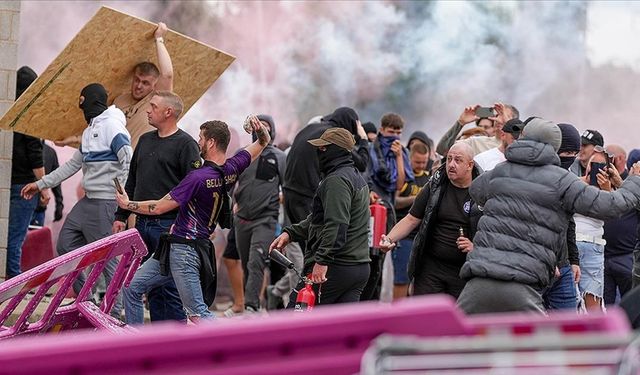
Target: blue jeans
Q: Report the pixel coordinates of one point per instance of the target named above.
(184, 270)
(400, 256)
(164, 301)
(561, 294)
(38, 218)
(20, 212)
(592, 268)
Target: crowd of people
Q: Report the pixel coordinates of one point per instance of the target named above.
(502, 214)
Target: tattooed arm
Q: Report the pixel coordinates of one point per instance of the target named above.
(157, 207)
(255, 149)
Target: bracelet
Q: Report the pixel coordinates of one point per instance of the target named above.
(160, 40)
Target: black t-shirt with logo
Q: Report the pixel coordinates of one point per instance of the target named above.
(412, 189)
(452, 215)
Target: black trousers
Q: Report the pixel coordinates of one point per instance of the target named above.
(433, 276)
(344, 285)
(618, 272)
(372, 289)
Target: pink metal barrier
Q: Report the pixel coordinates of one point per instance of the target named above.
(56, 277)
(330, 340)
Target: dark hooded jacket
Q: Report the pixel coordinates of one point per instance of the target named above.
(302, 174)
(337, 230)
(257, 189)
(435, 189)
(527, 203)
(27, 150)
(345, 117)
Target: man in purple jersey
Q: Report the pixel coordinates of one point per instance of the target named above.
(200, 198)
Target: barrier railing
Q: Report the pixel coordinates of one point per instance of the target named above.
(329, 340)
(56, 277)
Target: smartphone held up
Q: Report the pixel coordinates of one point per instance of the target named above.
(485, 112)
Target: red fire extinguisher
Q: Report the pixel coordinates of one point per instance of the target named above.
(377, 224)
(306, 296)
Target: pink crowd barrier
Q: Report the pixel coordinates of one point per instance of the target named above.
(329, 340)
(56, 278)
(37, 248)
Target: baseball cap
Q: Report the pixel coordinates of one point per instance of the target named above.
(592, 137)
(513, 126)
(337, 136)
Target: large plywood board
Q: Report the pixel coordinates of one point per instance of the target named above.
(105, 51)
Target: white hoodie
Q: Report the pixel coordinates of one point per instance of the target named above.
(105, 153)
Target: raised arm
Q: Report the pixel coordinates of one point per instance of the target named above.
(165, 81)
(255, 149)
(449, 138)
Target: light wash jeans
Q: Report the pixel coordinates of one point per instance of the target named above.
(592, 268)
(185, 272)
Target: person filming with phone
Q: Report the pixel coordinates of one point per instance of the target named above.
(499, 114)
(595, 167)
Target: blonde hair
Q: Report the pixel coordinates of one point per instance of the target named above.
(171, 100)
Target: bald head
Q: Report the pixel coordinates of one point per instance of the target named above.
(619, 157)
(463, 148)
(460, 164)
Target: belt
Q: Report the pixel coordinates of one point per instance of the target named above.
(593, 239)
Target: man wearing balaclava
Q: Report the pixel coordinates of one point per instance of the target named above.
(337, 230)
(26, 167)
(257, 204)
(561, 294)
(104, 154)
(527, 202)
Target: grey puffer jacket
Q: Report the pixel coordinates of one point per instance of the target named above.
(527, 204)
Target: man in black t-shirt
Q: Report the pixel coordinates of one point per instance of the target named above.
(447, 219)
(161, 159)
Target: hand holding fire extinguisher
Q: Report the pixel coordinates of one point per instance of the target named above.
(280, 242)
(386, 243)
(319, 273)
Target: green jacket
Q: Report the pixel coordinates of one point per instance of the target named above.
(337, 229)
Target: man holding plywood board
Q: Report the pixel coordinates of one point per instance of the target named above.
(147, 78)
(106, 50)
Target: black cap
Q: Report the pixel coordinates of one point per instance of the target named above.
(592, 137)
(513, 126)
(369, 127)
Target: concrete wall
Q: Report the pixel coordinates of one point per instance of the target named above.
(9, 32)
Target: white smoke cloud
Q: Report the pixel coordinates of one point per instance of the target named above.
(424, 60)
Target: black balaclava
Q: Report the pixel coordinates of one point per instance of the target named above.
(333, 157)
(272, 125)
(570, 143)
(25, 78)
(95, 101)
(344, 117)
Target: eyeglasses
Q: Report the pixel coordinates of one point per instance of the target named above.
(603, 150)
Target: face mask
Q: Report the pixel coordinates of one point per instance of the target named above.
(566, 161)
(330, 157)
(95, 101)
(390, 138)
